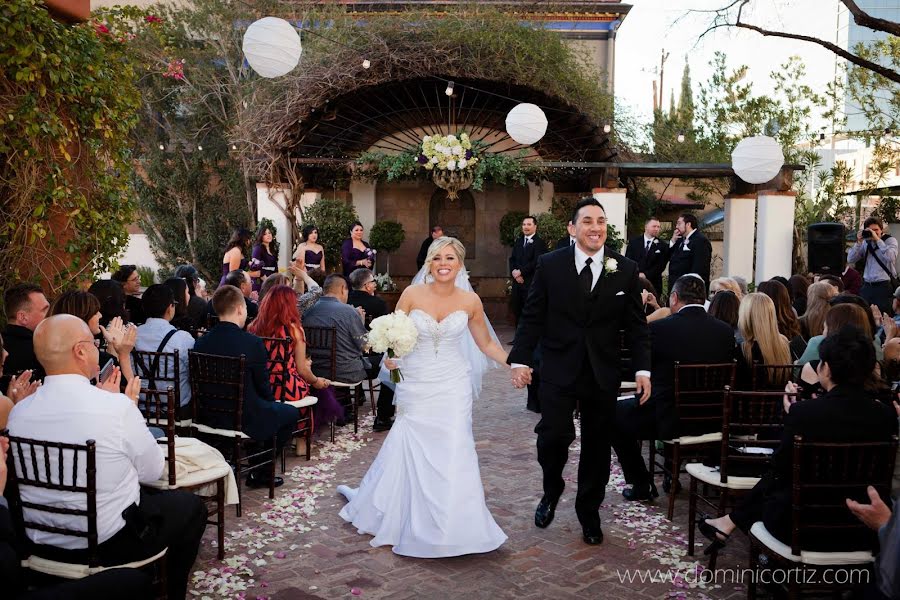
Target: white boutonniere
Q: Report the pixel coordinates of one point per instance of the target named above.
(611, 266)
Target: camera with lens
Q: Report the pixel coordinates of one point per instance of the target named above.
(867, 234)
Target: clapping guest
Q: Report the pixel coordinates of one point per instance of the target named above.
(279, 318)
(120, 338)
(197, 304)
(20, 387)
(236, 254)
(264, 257)
(817, 306)
(762, 343)
(788, 324)
(356, 252)
(837, 317)
(725, 307)
(310, 252)
(26, 306)
(130, 279)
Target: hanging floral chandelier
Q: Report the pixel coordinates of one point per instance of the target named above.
(451, 159)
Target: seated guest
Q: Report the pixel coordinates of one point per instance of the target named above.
(724, 283)
(852, 280)
(724, 306)
(762, 343)
(279, 318)
(798, 288)
(26, 306)
(130, 279)
(817, 306)
(844, 413)
(263, 417)
(742, 283)
(240, 279)
(158, 334)
(363, 296)
(270, 282)
(179, 288)
(111, 296)
(332, 310)
(308, 285)
(689, 336)
(119, 339)
(132, 524)
(837, 318)
(114, 583)
(834, 281)
(788, 324)
(197, 305)
(19, 387)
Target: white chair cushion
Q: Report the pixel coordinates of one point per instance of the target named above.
(711, 476)
(346, 385)
(762, 534)
(689, 440)
(230, 433)
(76, 571)
(303, 402)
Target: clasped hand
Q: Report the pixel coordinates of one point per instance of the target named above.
(521, 376)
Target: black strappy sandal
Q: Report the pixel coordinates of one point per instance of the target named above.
(712, 534)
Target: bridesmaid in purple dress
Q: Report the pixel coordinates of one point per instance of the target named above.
(311, 251)
(265, 256)
(355, 252)
(235, 254)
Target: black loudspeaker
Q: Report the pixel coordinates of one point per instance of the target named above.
(825, 244)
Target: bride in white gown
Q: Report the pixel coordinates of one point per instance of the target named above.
(423, 493)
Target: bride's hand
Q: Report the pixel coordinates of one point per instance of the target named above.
(392, 363)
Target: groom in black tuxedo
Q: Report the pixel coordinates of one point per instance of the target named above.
(580, 299)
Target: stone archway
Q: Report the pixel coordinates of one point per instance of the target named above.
(457, 217)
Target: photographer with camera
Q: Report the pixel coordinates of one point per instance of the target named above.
(879, 249)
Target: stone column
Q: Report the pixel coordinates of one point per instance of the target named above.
(363, 193)
(775, 234)
(539, 197)
(270, 204)
(616, 206)
(740, 221)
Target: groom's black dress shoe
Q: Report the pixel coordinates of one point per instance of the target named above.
(640, 492)
(546, 509)
(592, 534)
(262, 481)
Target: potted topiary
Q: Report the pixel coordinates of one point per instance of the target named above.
(387, 237)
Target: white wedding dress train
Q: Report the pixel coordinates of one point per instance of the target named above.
(423, 493)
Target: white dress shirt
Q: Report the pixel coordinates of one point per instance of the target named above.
(648, 242)
(150, 334)
(68, 409)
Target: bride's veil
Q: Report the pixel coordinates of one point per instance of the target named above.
(476, 358)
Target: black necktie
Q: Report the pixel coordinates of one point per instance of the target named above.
(647, 249)
(586, 277)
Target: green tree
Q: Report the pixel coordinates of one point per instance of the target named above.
(387, 237)
(510, 227)
(551, 228)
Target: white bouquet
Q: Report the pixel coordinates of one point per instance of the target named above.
(395, 335)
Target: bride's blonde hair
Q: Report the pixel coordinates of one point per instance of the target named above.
(438, 245)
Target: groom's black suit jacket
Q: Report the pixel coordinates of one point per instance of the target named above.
(573, 327)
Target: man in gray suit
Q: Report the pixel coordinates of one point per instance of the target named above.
(332, 310)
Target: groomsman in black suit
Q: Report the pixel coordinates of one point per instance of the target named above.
(436, 232)
(523, 262)
(580, 299)
(569, 240)
(650, 255)
(690, 251)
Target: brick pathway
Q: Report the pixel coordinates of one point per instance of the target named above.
(299, 548)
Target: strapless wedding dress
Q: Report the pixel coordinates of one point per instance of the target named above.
(423, 493)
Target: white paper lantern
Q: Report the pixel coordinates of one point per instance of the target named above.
(272, 47)
(526, 124)
(757, 159)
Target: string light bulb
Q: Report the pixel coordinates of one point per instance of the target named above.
(199, 147)
(234, 146)
(607, 128)
(680, 137)
(366, 64)
(162, 147)
(449, 90)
